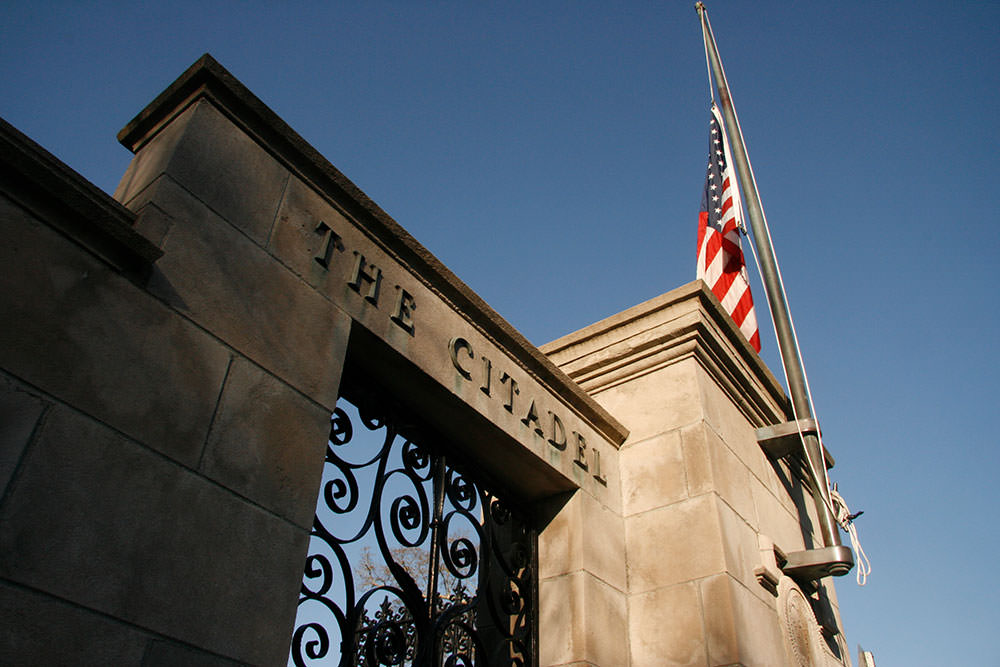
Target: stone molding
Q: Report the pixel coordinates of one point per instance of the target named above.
(687, 322)
(207, 79)
(65, 200)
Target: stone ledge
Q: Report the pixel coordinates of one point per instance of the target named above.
(685, 322)
(70, 203)
(207, 79)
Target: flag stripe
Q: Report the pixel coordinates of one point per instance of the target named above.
(721, 263)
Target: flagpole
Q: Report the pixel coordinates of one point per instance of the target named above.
(839, 560)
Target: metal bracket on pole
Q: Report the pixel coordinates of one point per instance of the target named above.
(813, 564)
(780, 440)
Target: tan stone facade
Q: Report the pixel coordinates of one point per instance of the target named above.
(176, 352)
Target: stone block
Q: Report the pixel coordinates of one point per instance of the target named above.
(153, 223)
(732, 425)
(783, 484)
(603, 543)
(110, 525)
(666, 627)
(219, 164)
(659, 401)
(240, 293)
(653, 473)
(151, 162)
(36, 629)
(674, 544)
(586, 536)
(742, 551)
(168, 654)
(776, 521)
(740, 628)
(268, 443)
(93, 339)
(303, 234)
(579, 619)
(558, 540)
(711, 466)
(19, 413)
(560, 606)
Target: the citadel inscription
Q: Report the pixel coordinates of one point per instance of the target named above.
(365, 279)
(463, 358)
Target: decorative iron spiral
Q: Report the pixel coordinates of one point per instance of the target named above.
(394, 494)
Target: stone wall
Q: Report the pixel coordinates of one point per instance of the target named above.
(135, 528)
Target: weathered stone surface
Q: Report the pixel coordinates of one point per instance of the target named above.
(586, 536)
(730, 423)
(651, 404)
(19, 413)
(236, 290)
(559, 602)
(169, 654)
(712, 467)
(93, 339)
(110, 525)
(740, 628)
(742, 550)
(666, 628)
(578, 613)
(607, 614)
(653, 473)
(207, 156)
(776, 521)
(148, 165)
(36, 629)
(267, 443)
(72, 205)
(673, 544)
(303, 235)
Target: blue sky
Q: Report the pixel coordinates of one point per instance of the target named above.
(552, 155)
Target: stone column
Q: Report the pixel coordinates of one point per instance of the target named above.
(167, 431)
(703, 507)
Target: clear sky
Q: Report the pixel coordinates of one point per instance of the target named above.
(552, 155)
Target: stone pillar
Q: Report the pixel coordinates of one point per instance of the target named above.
(703, 507)
(583, 617)
(163, 436)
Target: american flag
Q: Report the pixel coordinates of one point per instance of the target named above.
(720, 256)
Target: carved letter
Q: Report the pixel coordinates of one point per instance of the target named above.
(360, 276)
(454, 346)
(512, 391)
(487, 375)
(331, 242)
(597, 467)
(581, 451)
(403, 312)
(532, 417)
(558, 438)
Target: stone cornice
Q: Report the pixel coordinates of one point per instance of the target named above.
(688, 322)
(67, 201)
(207, 79)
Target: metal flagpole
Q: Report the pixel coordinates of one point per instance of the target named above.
(835, 559)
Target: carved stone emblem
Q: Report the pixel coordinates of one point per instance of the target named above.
(802, 635)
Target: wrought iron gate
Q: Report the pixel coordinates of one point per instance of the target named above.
(412, 561)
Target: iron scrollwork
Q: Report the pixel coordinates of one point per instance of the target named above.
(412, 562)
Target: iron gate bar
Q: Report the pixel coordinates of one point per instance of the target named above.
(452, 627)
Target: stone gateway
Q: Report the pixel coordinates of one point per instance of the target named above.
(246, 418)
